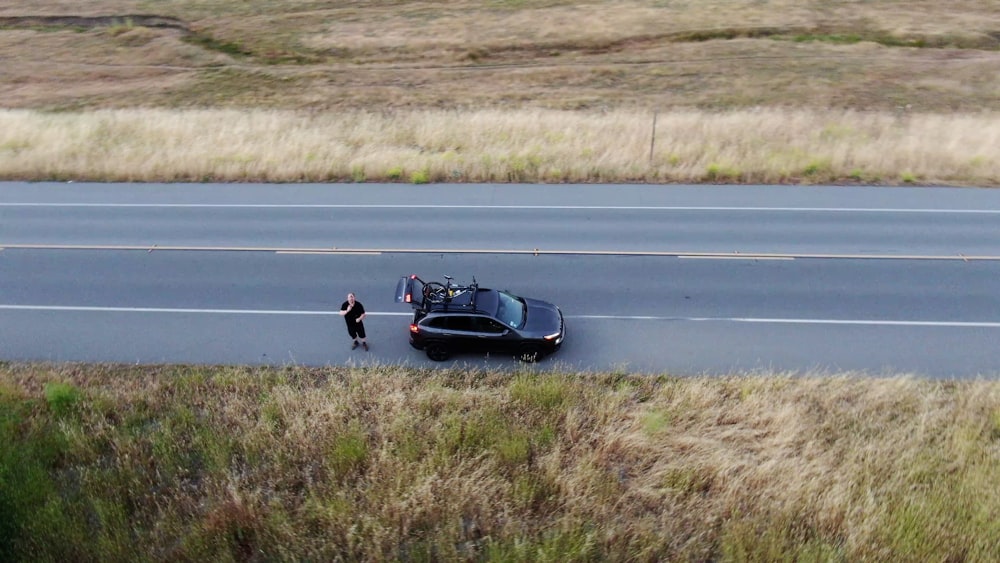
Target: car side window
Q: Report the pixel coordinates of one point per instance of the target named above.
(436, 322)
(486, 324)
(460, 323)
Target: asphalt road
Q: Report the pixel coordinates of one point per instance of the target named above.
(651, 278)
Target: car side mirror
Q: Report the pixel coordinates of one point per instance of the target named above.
(505, 332)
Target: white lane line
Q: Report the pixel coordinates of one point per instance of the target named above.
(867, 322)
(185, 310)
(762, 320)
(543, 207)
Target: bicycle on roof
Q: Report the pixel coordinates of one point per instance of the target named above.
(436, 292)
(412, 289)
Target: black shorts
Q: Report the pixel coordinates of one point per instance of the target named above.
(356, 330)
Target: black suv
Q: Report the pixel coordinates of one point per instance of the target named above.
(448, 319)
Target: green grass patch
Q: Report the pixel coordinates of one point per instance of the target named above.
(656, 422)
(580, 543)
(778, 538)
(62, 398)
(231, 48)
(686, 481)
(358, 174)
(36, 509)
(419, 177)
(348, 452)
(716, 172)
(542, 392)
(395, 173)
(818, 169)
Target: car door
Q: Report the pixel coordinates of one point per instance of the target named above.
(460, 334)
(491, 335)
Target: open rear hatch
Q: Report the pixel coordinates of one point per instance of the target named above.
(410, 289)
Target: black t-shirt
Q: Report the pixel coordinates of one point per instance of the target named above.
(355, 312)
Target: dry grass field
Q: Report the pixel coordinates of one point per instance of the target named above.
(542, 81)
(118, 463)
(866, 55)
(421, 146)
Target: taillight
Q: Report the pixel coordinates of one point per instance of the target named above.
(414, 328)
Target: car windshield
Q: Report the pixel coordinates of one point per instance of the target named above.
(511, 309)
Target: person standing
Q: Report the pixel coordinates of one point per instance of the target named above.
(354, 313)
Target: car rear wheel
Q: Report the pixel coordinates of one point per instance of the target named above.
(529, 353)
(437, 351)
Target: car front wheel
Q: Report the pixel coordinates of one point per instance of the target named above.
(437, 351)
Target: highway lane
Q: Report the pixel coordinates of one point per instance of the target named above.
(913, 287)
(613, 219)
(644, 314)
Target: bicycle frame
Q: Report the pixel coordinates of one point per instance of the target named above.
(456, 290)
(436, 292)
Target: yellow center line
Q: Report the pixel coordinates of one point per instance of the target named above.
(734, 257)
(515, 251)
(354, 252)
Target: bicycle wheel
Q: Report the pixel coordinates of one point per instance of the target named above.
(435, 292)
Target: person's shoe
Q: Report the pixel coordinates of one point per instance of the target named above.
(355, 345)
(365, 346)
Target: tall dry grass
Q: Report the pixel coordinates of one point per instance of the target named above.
(758, 145)
(382, 463)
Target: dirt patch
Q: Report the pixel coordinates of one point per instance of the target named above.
(91, 22)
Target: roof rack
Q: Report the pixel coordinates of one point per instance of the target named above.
(461, 304)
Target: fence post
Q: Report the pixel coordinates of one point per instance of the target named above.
(652, 139)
